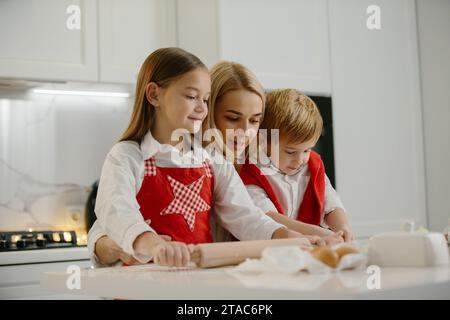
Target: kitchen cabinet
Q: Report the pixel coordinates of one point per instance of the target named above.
(128, 32)
(377, 119)
(285, 42)
(40, 39)
(113, 40)
(22, 281)
(20, 271)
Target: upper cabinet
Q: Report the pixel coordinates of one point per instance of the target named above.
(48, 40)
(285, 42)
(129, 31)
(41, 39)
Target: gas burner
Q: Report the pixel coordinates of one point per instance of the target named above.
(32, 240)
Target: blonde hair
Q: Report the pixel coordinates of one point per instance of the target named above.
(227, 76)
(162, 67)
(294, 114)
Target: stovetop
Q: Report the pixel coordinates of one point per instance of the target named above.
(34, 240)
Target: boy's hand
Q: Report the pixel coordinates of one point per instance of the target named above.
(334, 238)
(347, 234)
(316, 240)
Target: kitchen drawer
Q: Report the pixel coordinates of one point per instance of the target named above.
(23, 281)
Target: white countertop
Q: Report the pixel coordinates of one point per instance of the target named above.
(43, 255)
(155, 282)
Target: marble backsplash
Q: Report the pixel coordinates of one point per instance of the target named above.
(52, 149)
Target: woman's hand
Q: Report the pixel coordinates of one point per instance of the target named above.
(283, 233)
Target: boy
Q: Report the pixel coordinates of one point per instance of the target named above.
(293, 188)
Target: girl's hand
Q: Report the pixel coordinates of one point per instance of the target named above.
(125, 257)
(167, 238)
(171, 253)
(130, 260)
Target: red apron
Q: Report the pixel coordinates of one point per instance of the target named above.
(178, 201)
(311, 208)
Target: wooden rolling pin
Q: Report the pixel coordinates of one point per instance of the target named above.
(208, 255)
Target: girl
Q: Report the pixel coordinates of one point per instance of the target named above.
(146, 177)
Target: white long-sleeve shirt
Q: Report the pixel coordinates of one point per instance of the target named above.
(117, 209)
(290, 190)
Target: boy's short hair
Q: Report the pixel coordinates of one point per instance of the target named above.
(294, 114)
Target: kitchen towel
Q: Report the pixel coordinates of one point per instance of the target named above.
(292, 259)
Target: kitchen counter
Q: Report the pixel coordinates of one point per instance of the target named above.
(156, 282)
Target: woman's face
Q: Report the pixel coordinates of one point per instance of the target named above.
(238, 115)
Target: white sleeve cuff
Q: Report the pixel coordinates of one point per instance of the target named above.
(95, 233)
(332, 199)
(329, 210)
(271, 229)
(130, 236)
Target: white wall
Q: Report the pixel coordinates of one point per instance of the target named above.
(434, 44)
(52, 149)
(377, 115)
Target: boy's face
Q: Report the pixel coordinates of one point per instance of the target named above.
(293, 156)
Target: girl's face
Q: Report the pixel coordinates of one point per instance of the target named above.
(183, 104)
(293, 157)
(237, 115)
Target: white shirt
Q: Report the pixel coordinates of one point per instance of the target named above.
(290, 190)
(117, 209)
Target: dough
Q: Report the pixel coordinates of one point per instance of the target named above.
(326, 255)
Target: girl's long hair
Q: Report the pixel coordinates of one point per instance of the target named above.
(161, 67)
